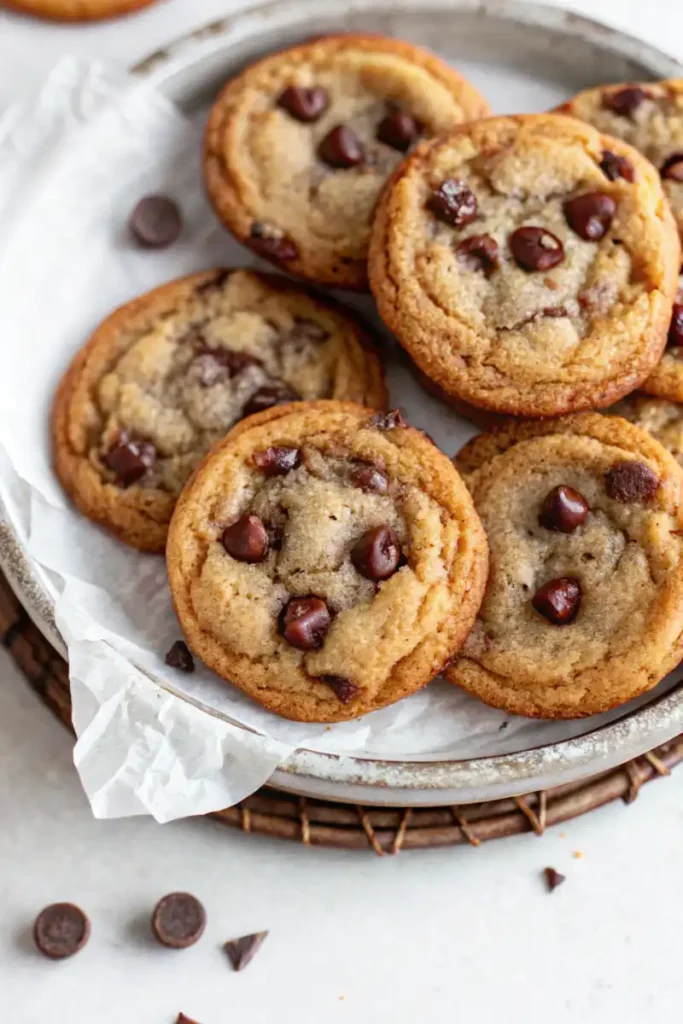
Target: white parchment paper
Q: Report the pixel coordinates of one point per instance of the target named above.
(74, 159)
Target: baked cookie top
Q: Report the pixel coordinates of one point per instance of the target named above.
(326, 560)
(300, 144)
(519, 271)
(77, 10)
(662, 419)
(165, 376)
(584, 605)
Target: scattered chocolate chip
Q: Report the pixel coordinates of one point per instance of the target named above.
(304, 103)
(178, 920)
(183, 1019)
(61, 930)
(377, 554)
(341, 148)
(553, 878)
(271, 243)
(454, 203)
(269, 396)
(180, 657)
(388, 420)
(371, 479)
(305, 622)
(242, 951)
(631, 481)
(399, 130)
(615, 167)
(246, 539)
(558, 600)
(672, 168)
(129, 459)
(675, 337)
(563, 509)
(590, 215)
(156, 222)
(626, 101)
(344, 689)
(535, 248)
(479, 252)
(278, 460)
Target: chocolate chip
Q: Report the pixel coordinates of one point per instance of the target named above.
(558, 600)
(242, 951)
(675, 337)
(180, 657)
(344, 689)
(278, 460)
(341, 148)
(305, 622)
(563, 509)
(590, 215)
(212, 365)
(371, 479)
(270, 396)
(535, 248)
(626, 101)
(553, 878)
(178, 920)
(246, 539)
(304, 103)
(631, 481)
(377, 554)
(183, 1019)
(388, 420)
(271, 243)
(454, 203)
(129, 459)
(672, 168)
(398, 130)
(479, 252)
(156, 222)
(61, 930)
(615, 167)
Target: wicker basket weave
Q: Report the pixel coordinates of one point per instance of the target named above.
(324, 823)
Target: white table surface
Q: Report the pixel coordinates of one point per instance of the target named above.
(463, 935)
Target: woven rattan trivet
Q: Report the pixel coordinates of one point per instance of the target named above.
(384, 830)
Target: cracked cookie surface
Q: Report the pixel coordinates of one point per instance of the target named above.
(584, 604)
(518, 275)
(326, 560)
(168, 374)
(300, 144)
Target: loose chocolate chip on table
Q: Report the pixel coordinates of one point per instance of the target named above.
(61, 930)
(535, 248)
(246, 539)
(672, 168)
(377, 554)
(341, 148)
(305, 621)
(590, 215)
(388, 420)
(398, 130)
(242, 951)
(183, 1019)
(269, 396)
(626, 101)
(563, 509)
(178, 920)
(271, 243)
(344, 689)
(675, 337)
(631, 481)
(278, 460)
(553, 878)
(370, 479)
(479, 252)
(615, 167)
(454, 203)
(129, 459)
(304, 103)
(156, 222)
(180, 657)
(558, 600)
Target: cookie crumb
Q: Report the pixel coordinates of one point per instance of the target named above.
(577, 855)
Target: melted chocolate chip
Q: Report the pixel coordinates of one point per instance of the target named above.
(553, 878)
(590, 215)
(388, 420)
(398, 130)
(535, 248)
(377, 554)
(344, 689)
(156, 222)
(558, 600)
(563, 509)
(454, 203)
(371, 479)
(242, 951)
(178, 920)
(61, 930)
(672, 168)
(341, 148)
(615, 167)
(179, 656)
(213, 365)
(479, 252)
(675, 337)
(278, 460)
(271, 243)
(304, 103)
(269, 396)
(305, 622)
(246, 539)
(626, 101)
(129, 459)
(630, 481)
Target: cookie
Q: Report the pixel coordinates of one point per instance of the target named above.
(517, 274)
(584, 604)
(666, 380)
(300, 144)
(168, 374)
(662, 419)
(76, 10)
(326, 559)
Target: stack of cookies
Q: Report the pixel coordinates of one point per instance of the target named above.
(323, 555)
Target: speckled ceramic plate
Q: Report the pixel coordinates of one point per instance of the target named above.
(523, 57)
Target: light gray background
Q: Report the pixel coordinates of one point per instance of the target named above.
(463, 935)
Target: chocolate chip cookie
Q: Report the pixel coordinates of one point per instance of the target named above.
(165, 376)
(76, 10)
(584, 604)
(326, 559)
(299, 145)
(666, 380)
(518, 274)
(662, 419)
